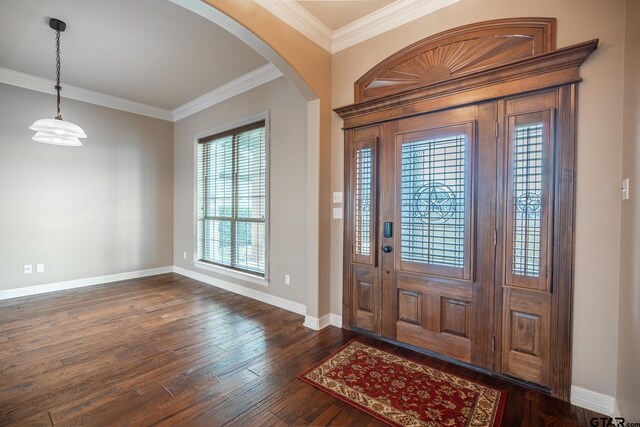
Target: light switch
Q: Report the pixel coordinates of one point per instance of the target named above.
(28, 269)
(337, 213)
(337, 197)
(625, 189)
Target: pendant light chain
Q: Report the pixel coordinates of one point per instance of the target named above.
(58, 87)
(57, 131)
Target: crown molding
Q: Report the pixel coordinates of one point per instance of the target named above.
(385, 19)
(301, 20)
(244, 83)
(28, 81)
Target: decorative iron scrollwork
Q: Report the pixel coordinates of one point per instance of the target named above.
(435, 202)
(529, 203)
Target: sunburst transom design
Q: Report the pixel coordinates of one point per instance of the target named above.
(465, 51)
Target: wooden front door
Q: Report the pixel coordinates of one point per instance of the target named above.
(459, 192)
(424, 215)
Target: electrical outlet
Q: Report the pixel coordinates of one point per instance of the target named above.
(337, 197)
(337, 213)
(287, 279)
(39, 268)
(28, 269)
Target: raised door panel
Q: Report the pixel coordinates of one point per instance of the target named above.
(455, 316)
(526, 335)
(366, 299)
(435, 315)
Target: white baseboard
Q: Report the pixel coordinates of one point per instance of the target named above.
(81, 283)
(616, 410)
(317, 323)
(593, 401)
(311, 322)
(241, 290)
(335, 320)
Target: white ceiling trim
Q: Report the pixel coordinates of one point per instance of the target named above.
(28, 81)
(385, 19)
(246, 82)
(392, 16)
(301, 20)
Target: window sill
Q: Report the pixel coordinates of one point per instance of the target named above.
(232, 273)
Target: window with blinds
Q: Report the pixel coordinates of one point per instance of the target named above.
(232, 199)
(362, 199)
(527, 196)
(433, 201)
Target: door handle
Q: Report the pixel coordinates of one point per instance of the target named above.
(387, 249)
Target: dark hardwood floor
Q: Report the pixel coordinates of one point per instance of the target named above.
(168, 350)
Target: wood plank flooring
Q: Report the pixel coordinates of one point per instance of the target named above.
(168, 350)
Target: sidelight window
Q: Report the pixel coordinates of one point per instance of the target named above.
(363, 200)
(527, 196)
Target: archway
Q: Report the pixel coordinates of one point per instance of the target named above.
(313, 82)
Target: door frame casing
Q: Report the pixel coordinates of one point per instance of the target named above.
(556, 70)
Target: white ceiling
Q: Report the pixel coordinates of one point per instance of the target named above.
(336, 14)
(156, 58)
(149, 51)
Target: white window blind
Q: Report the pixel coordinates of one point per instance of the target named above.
(232, 205)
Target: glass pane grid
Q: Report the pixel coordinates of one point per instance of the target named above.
(232, 200)
(251, 170)
(433, 201)
(363, 196)
(527, 199)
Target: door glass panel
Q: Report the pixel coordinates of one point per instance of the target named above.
(433, 201)
(527, 197)
(363, 200)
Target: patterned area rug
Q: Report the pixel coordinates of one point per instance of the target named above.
(404, 393)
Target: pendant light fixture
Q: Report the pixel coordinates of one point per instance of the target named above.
(57, 131)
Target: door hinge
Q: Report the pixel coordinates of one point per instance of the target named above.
(497, 129)
(495, 237)
(493, 344)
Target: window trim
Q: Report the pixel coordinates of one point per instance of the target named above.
(230, 272)
(218, 268)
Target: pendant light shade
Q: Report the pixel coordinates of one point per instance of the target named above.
(58, 127)
(47, 138)
(57, 131)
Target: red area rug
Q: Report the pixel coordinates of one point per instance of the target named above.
(404, 393)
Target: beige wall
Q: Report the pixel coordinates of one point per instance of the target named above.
(599, 151)
(287, 151)
(629, 322)
(99, 209)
